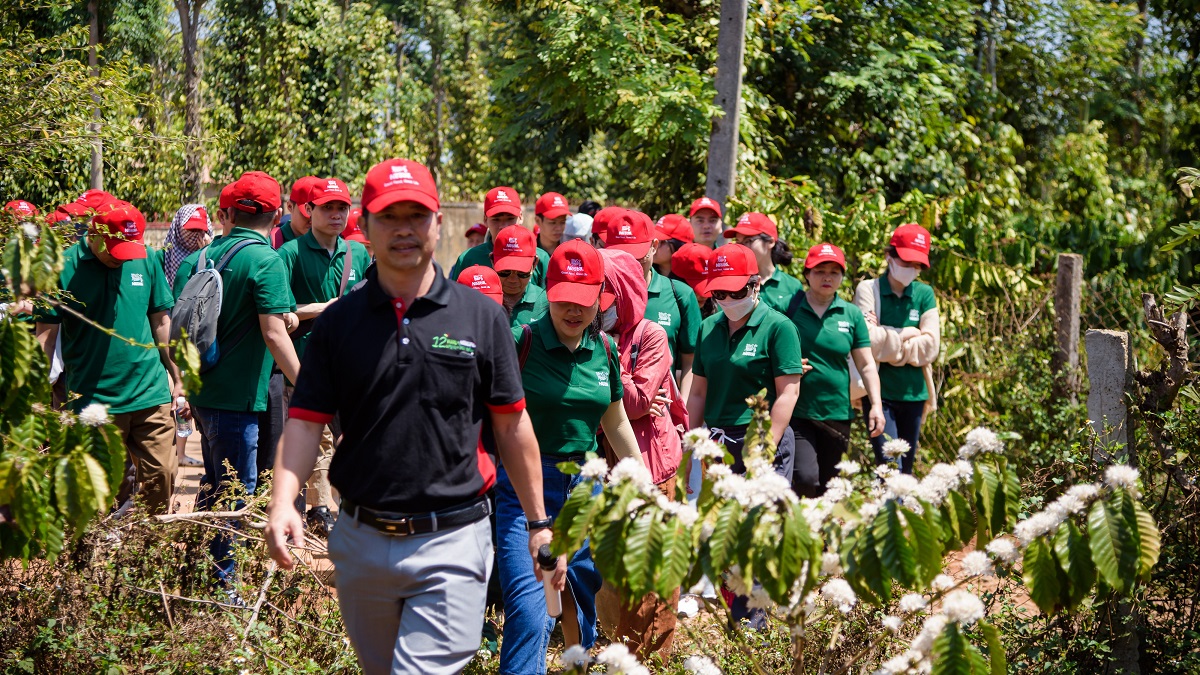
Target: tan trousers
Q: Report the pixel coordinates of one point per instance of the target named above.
(149, 437)
(319, 492)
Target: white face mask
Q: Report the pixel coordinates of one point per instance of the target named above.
(903, 275)
(608, 319)
(736, 310)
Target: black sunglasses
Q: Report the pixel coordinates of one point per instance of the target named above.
(508, 273)
(732, 295)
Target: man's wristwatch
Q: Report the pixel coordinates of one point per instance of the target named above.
(543, 524)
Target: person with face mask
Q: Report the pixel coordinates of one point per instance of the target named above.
(514, 256)
(744, 348)
(572, 380)
(902, 316)
(832, 331)
(646, 625)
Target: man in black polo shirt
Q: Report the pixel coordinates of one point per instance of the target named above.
(412, 363)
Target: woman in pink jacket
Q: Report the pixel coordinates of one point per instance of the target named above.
(648, 626)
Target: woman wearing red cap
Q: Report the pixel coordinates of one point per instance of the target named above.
(743, 349)
(831, 332)
(572, 378)
(906, 337)
(758, 232)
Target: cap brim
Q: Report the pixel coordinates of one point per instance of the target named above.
(357, 236)
(325, 199)
(740, 232)
(556, 212)
(498, 297)
(195, 225)
(303, 209)
(519, 263)
(693, 212)
(569, 291)
(726, 283)
(124, 249)
(638, 251)
(606, 300)
(396, 196)
(910, 255)
(510, 209)
(808, 265)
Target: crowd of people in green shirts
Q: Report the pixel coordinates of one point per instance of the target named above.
(628, 332)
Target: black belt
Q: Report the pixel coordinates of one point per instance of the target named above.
(405, 524)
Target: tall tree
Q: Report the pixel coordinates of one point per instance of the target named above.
(189, 23)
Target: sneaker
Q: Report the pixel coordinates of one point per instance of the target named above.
(232, 598)
(689, 606)
(320, 521)
(190, 461)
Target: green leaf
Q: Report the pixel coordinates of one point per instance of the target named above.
(570, 528)
(1114, 549)
(1040, 574)
(950, 652)
(636, 557)
(997, 662)
(1148, 538)
(1074, 557)
(569, 468)
(677, 557)
(892, 545)
(986, 484)
(863, 569)
(720, 542)
(928, 548)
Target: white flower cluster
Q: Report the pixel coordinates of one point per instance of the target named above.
(575, 657)
(892, 623)
(95, 415)
(759, 599)
(755, 490)
(942, 582)
(736, 582)
(831, 564)
(1122, 476)
(917, 656)
(708, 449)
(981, 440)
(686, 513)
(848, 467)
(700, 665)
(632, 469)
(838, 593)
(1004, 550)
(1074, 501)
(31, 231)
(837, 489)
(595, 469)
(895, 448)
(693, 438)
(959, 606)
(617, 658)
(941, 480)
(913, 603)
(816, 511)
(977, 564)
(962, 607)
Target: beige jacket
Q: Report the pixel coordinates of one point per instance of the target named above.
(886, 345)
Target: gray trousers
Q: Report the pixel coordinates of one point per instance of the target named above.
(412, 604)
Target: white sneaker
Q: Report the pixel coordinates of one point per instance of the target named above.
(689, 606)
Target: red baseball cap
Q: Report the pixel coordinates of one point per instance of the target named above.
(690, 263)
(514, 249)
(825, 253)
(603, 217)
(501, 199)
(630, 232)
(399, 180)
(93, 200)
(912, 243)
(575, 274)
(704, 203)
(255, 192)
(477, 228)
(552, 205)
(198, 221)
(225, 201)
(753, 224)
(329, 190)
(21, 208)
(122, 227)
(674, 226)
(730, 268)
(60, 214)
(301, 193)
(352, 232)
(484, 280)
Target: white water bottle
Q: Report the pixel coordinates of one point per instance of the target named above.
(548, 564)
(183, 427)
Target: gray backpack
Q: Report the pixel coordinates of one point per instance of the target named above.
(198, 308)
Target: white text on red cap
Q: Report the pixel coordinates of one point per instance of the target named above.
(400, 176)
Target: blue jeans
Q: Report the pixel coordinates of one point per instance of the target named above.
(526, 625)
(902, 419)
(226, 436)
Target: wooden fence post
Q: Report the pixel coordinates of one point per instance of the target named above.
(1110, 370)
(1067, 291)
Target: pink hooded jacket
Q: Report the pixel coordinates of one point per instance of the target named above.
(658, 438)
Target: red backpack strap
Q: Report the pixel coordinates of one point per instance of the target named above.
(637, 344)
(526, 343)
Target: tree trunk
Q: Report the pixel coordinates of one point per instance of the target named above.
(189, 23)
(723, 144)
(1139, 46)
(97, 174)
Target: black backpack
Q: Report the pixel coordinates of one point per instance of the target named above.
(198, 307)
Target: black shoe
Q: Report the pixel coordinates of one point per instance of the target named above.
(320, 521)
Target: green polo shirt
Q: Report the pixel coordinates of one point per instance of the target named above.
(482, 255)
(827, 341)
(903, 383)
(255, 283)
(566, 393)
(532, 306)
(314, 274)
(779, 290)
(738, 366)
(99, 367)
(286, 233)
(671, 304)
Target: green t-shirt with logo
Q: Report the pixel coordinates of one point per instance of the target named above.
(779, 290)
(314, 274)
(903, 383)
(531, 307)
(672, 304)
(567, 393)
(99, 367)
(827, 341)
(254, 283)
(482, 255)
(738, 366)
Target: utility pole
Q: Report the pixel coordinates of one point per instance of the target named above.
(723, 145)
(97, 177)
